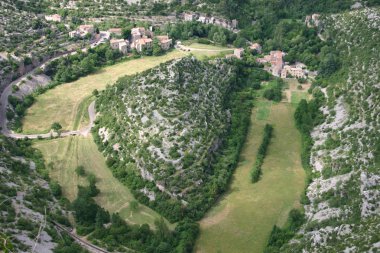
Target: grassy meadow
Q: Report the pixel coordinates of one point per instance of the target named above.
(62, 157)
(243, 218)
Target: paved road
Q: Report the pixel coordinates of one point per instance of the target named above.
(4, 105)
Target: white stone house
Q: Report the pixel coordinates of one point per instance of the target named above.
(142, 43)
(53, 18)
(123, 47)
(238, 52)
(165, 42)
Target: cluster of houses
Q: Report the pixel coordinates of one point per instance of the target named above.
(280, 68)
(277, 66)
(228, 24)
(141, 38)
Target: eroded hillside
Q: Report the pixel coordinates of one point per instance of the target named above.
(164, 125)
(344, 196)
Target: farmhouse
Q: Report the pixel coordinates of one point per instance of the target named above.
(295, 71)
(53, 18)
(165, 42)
(238, 52)
(123, 47)
(114, 43)
(86, 29)
(141, 44)
(139, 33)
(275, 58)
(256, 47)
(120, 44)
(82, 31)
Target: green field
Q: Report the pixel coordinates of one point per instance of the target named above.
(243, 219)
(63, 155)
(209, 47)
(263, 109)
(297, 96)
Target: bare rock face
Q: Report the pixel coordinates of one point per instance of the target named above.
(26, 201)
(344, 210)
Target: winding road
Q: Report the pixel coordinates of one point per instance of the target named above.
(4, 105)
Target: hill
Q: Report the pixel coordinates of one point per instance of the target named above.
(343, 206)
(163, 127)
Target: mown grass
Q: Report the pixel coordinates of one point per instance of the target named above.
(263, 109)
(297, 96)
(197, 45)
(62, 157)
(243, 219)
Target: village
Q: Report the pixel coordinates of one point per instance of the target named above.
(274, 63)
(140, 39)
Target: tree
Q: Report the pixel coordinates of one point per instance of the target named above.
(95, 92)
(56, 126)
(126, 32)
(80, 171)
(56, 189)
(163, 231)
(156, 47)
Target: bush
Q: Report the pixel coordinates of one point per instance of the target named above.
(261, 153)
(275, 91)
(80, 171)
(56, 189)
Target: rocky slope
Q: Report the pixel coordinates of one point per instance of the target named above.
(27, 204)
(344, 210)
(164, 124)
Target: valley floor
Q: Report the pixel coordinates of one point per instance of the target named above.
(243, 219)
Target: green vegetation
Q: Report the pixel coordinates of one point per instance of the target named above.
(56, 126)
(35, 200)
(190, 30)
(182, 170)
(243, 218)
(120, 236)
(263, 109)
(62, 104)
(329, 152)
(274, 90)
(261, 153)
(279, 236)
(71, 159)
